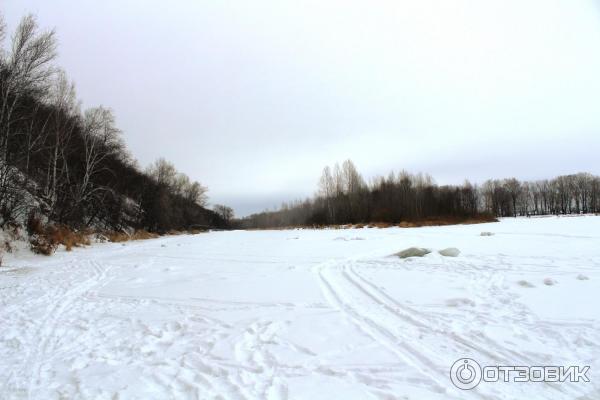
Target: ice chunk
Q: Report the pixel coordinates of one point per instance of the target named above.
(413, 252)
(450, 252)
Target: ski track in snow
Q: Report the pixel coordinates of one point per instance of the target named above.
(330, 314)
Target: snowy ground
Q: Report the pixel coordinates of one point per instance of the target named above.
(304, 314)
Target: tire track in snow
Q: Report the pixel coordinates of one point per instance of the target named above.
(502, 354)
(365, 321)
(407, 314)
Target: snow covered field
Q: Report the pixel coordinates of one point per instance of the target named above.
(304, 314)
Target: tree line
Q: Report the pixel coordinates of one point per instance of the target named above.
(344, 197)
(72, 166)
(565, 194)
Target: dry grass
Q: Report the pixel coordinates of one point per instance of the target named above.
(380, 225)
(442, 221)
(69, 238)
(76, 239)
(46, 240)
(142, 235)
(437, 221)
(118, 237)
(406, 224)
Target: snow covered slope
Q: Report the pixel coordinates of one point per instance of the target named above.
(304, 314)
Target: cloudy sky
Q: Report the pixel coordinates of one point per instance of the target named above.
(254, 98)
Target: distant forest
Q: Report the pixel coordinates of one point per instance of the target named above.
(71, 166)
(343, 197)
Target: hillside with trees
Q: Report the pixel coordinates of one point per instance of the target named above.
(343, 197)
(69, 166)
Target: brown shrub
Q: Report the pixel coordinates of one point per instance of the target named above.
(34, 224)
(41, 245)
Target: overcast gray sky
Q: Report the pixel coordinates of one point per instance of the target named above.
(254, 98)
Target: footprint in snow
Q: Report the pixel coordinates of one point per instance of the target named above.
(526, 284)
(173, 326)
(582, 277)
(549, 282)
(459, 302)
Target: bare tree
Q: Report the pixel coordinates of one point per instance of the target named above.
(196, 194)
(25, 71)
(514, 189)
(163, 172)
(327, 192)
(101, 139)
(225, 212)
(64, 120)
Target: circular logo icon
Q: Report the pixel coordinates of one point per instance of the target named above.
(465, 373)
